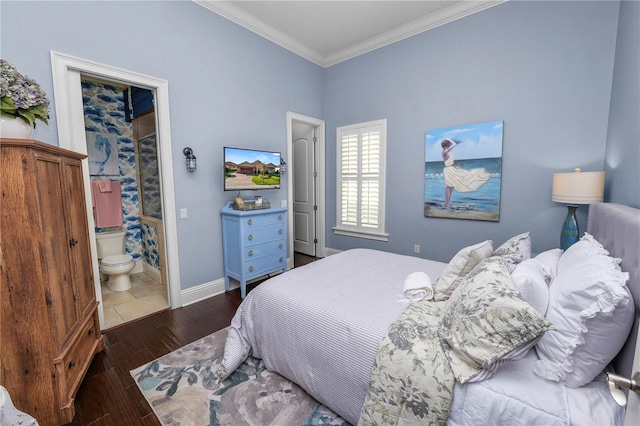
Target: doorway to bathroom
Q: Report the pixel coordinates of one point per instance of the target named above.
(120, 127)
(73, 126)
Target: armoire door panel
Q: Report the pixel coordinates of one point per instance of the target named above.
(54, 236)
(79, 250)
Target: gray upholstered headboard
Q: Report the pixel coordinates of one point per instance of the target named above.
(617, 228)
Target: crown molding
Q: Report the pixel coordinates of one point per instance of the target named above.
(420, 25)
(237, 15)
(240, 17)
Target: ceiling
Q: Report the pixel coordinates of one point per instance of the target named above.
(327, 32)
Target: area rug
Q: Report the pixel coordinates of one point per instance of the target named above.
(181, 390)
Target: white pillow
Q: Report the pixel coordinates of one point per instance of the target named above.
(458, 268)
(587, 247)
(515, 250)
(592, 311)
(529, 279)
(549, 262)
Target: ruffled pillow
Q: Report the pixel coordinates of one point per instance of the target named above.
(459, 266)
(485, 323)
(529, 279)
(587, 248)
(515, 249)
(592, 310)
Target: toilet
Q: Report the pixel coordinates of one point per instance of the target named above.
(113, 261)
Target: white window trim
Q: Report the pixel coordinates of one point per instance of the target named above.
(378, 234)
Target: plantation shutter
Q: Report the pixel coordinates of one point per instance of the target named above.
(370, 193)
(361, 180)
(349, 165)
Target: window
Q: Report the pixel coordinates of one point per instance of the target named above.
(361, 180)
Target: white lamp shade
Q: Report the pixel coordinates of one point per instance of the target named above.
(578, 187)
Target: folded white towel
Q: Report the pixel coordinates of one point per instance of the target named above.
(417, 286)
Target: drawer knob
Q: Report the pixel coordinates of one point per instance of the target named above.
(250, 253)
(250, 268)
(90, 331)
(279, 217)
(72, 364)
(280, 231)
(250, 221)
(73, 242)
(250, 237)
(280, 245)
(281, 259)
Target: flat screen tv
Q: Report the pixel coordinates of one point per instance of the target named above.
(250, 169)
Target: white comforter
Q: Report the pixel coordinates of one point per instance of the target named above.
(321, 325)
(516, 396)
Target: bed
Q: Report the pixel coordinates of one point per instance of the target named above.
(335, 327)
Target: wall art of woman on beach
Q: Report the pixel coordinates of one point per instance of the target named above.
(467, 186)
(457, 178)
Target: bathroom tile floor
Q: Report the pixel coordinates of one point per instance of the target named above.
(145, 297)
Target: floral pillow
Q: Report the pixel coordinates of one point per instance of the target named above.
(515, 249)
(485, 322)
(459, 266)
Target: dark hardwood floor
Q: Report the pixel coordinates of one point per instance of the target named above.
(109, 395)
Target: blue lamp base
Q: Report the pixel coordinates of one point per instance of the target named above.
(570, 233)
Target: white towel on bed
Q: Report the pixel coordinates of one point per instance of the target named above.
(417, 286)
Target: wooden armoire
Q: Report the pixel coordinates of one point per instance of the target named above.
(48, 318)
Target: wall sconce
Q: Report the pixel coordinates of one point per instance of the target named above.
(191, 159)
(283, 167)
(576, 188)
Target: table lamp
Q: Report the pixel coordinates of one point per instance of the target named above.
(575, 188)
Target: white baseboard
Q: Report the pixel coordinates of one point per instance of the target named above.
(152, 271)
(331, 251)
(204, 291)
(139, 267)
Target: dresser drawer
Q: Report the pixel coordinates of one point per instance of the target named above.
(259, 250)
(263, 233)
(248, 222)
(262, 265)
(74, 363)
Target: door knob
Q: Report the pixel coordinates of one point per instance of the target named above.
(615, 381)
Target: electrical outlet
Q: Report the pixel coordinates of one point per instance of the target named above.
(416, 248)
(283, 204)
(183, 213)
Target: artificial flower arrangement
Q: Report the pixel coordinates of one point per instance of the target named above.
(22, 97)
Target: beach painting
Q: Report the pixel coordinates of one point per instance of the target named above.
(463, 172)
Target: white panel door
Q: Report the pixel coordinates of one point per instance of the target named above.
(304, 215)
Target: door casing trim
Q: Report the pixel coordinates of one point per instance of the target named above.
(320, 181)
(67, 90)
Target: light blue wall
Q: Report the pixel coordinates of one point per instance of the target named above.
(227, 86)
(622, 158)
(545, 68)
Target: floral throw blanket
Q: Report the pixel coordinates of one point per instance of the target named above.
(411, 382)
(484, 324)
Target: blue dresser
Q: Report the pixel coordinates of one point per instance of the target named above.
(254, 242)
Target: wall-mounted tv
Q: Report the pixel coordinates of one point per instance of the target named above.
(250, 169)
